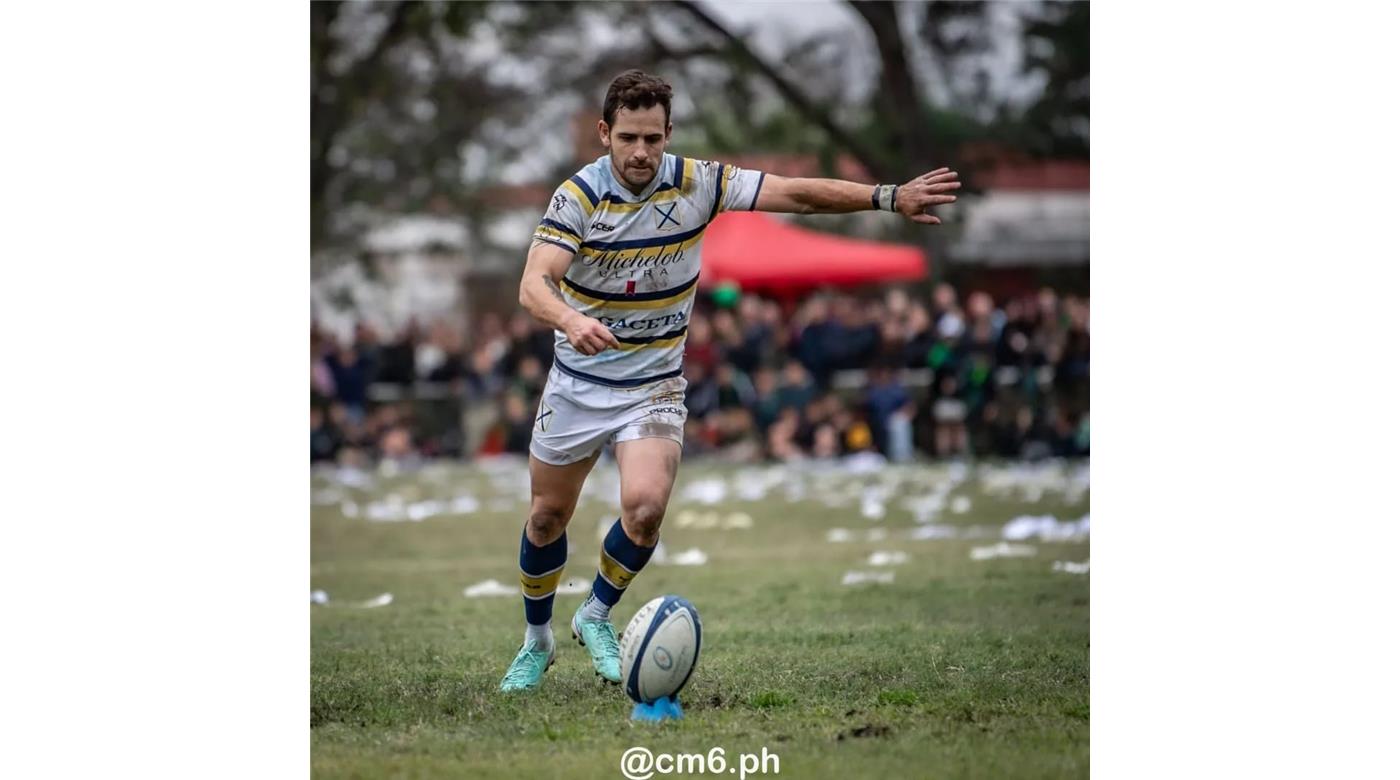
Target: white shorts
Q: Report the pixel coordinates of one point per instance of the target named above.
(577, 417)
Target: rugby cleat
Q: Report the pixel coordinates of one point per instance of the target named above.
(600, 639)
(527, 669)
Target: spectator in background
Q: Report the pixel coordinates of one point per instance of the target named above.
(518, 422)
(325, 439)
(949, 418)
(767, 401)
(351, 371)
(891, 414)
(797, 387)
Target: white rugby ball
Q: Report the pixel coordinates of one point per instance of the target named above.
(660, 648)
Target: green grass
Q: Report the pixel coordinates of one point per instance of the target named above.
(960, 668)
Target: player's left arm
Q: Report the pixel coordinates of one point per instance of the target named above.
(835, 196)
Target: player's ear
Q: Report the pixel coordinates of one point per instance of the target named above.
(603, 133)
(668, 132)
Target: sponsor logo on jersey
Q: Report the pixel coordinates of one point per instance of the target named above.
(606, 228)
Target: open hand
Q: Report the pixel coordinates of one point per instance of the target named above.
(922, 193)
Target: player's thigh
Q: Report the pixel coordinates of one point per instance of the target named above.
(647, 468)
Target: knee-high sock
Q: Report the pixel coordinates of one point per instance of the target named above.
(620, 560)
(540, 571)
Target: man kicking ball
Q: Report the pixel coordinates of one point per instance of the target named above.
(613, 269)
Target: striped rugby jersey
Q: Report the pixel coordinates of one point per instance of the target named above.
(637, 260)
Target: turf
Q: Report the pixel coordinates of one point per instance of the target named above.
(959, 668)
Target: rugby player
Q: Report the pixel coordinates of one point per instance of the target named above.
(613, 268)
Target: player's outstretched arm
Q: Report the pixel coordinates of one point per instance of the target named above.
(540, 296)
(835, 196)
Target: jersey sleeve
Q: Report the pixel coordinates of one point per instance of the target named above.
(566, 219)
(729, 187)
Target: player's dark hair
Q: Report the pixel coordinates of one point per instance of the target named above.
(633, 90)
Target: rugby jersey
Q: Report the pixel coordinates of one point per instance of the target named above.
(637, 260)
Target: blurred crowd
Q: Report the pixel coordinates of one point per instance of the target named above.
(942, 375)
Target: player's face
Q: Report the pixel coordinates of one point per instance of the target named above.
(636, 141)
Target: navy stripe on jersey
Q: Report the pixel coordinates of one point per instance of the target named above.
(655, 295)
(757, 190)
(680, 172)
(557, 243)
(719, 180)
(587, 190)
(642, 243)
(561, 227)
(648, 339)
(645, 380)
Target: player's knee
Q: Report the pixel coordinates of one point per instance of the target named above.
(546, 522)
(642, 516)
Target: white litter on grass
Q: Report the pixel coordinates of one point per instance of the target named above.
(934, 531)
(872, 509)
(692, 557)
(1046, 528)
(863, 463)
(925, 509)
(705, 491)
(382, 600)
(489, 588)
(888, 558)
(838, 535)
(464, 505)
(738, 520)
(349, 509)
(961, 505)
(319, 597)
(574, 586)
(1070, 567)
(1002, 550)
(327, 497)
(862, 577)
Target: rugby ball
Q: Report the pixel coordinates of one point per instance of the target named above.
(660, 647)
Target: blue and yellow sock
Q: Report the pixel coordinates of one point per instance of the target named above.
(540, 571)
(620, 560)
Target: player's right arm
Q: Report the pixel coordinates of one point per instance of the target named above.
(541, 297)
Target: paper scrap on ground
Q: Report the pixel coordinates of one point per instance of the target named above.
(692, 557)
(572, 586)
(1002, 550)
(705, 491)
(489, 588)
(324, 599)
(888, 558)
(1046, 528)
(838, 535)
(934, 531)
(861, 577)
(961, 505)
(1070, 567)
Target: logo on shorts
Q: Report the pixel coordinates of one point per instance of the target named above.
(545, 414)
(676, 410)
(669, 397)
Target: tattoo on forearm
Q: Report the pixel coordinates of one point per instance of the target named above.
(553, 287)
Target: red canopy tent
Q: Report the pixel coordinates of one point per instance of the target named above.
(758, 251)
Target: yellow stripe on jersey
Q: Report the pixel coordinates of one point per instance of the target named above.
(599, 303)
(584, 202)
(538, 586)
(658, 344)
(545, 231)
(645, 252)
(616, 207)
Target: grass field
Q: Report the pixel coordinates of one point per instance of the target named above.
(959, 667)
